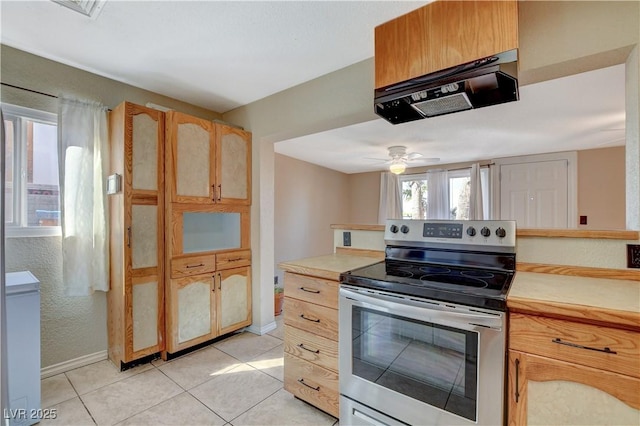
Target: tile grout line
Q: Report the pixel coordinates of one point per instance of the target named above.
(80, 398)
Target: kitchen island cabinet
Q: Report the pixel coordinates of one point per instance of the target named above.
(574, 350)
(311, 288)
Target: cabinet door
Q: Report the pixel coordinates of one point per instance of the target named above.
(233, 175)
(234, 299)
(191, 159)
(192, 311)
(544, 391)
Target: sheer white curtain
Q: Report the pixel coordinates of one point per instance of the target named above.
(475, 194)
(390, 198)
(438, 195)
(83, 156)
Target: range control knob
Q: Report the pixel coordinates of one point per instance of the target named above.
(394, 229)
(471, 231)
(404, 229)
(485, 232)
(501, 233)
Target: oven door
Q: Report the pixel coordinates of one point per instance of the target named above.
(419, 361)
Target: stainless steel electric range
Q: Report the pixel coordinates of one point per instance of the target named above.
(422, 334)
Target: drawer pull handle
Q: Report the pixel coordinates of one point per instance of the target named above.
(302, 346)
(195, 266)
(517, 379)
(235, 259)
(315, 388)
(573, 345)
(309, 319)
(310, 291)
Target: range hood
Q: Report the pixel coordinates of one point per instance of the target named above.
(484, 82)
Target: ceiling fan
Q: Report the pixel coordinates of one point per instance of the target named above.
(400, 158)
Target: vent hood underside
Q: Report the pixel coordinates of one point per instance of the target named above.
(478, 84)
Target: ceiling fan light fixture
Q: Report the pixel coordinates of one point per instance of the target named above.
(397, 167)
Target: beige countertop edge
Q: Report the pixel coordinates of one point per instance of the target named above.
(328, 266)
(597, 300)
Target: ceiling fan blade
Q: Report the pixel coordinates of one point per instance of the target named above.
(413, 155)
(384, 160)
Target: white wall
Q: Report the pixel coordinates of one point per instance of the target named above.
(308, 199)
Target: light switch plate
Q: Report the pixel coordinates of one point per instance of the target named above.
(346, 238)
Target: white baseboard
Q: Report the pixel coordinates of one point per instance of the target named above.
(72, 364)
(262, 330)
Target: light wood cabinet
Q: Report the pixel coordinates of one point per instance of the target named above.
(208, 186)
(234, 299)
(441, 35)
(572, 373)
(311, 340)
(203, 306)
(233, 168)
(179, 232)
(136, 221)
(208, 163)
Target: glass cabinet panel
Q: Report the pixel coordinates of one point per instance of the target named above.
(234, 296)
(145, 315)
(193, 157)
(233, 165)
(194, 309)
(145, 150)
(144, 236)
(210, 231)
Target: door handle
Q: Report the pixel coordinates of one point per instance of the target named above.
(219, 192)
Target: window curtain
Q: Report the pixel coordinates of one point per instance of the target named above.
(390, 197)
(83, 156)
(475, 194)
(438, 195)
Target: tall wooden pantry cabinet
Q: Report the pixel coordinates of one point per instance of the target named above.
(179, 232)
(136, 221)
(208, 186)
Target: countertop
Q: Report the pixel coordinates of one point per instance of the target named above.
(329, 266)
(597, 300)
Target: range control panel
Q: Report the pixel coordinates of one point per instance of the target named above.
(485, 233)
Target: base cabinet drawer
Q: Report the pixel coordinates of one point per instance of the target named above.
(313, 384)
(192, 265)
(310, 347)
(311, 289)
(605, 348)
(316, 319)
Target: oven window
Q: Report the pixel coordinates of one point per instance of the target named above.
(432, 363)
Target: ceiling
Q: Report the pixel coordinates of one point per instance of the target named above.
(221, 55)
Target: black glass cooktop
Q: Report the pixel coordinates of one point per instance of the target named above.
(486, 288)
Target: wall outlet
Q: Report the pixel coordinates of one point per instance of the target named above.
(346, 238)
(275, 280)
(583, 220)
(633, 256)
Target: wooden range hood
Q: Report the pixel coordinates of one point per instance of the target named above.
(443, 45)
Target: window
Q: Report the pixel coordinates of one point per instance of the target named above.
(414, 194)
(32, 200)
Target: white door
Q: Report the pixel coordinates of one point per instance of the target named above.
(535, 194)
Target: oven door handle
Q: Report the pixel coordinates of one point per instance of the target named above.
(436, 313)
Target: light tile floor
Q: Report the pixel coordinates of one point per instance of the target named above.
(234, 382)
